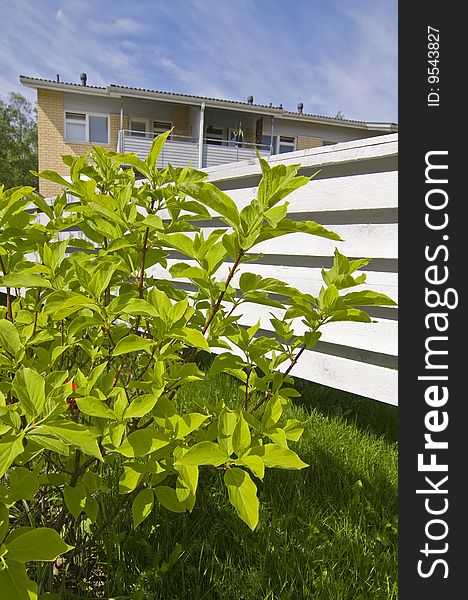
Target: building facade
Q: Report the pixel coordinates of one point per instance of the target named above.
(206, 132)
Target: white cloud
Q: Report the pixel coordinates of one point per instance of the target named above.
(335, 55)
(116, 26)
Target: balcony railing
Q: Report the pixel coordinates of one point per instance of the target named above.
(179, 150)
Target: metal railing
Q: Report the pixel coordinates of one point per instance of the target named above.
(179, 150)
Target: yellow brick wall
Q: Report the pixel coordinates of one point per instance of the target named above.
(304, 142)
(180, 120)
(249, 136)
(51, 143)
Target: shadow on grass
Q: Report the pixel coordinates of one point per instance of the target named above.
(367, 414)
(326, 532)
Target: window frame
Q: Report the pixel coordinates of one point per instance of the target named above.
(86, 123)
(149, 126)
(288, 144)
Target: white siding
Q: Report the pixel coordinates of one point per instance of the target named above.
(90, 104)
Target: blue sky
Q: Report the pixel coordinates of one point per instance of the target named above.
(331, 55)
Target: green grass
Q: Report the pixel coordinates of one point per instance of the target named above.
(327, 532)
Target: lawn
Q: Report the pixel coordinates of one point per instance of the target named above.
(328, 532)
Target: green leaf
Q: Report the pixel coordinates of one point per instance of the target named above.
(49, 442)
(204, 453)
(195, 338)
(367, 298)
(277, 456)
(180, 242)
(24, 280)
(42, 543)
(226, 425)
(273, 411)
(241, 438)
(243, 495)
(15, 583)
(156, 148)
(211, 196)
(92, 406)
(142, 506)
(134, 306)
(9, 337)
(294, 429)
(276, 214)
(29, 387)
(80, 436)
(143, 442)
(186, 423)
(225, 362)
(101, 278)
(131, 477)
(254, 463)
(141, 406)
(23, 485)
(168, 498)
(187, 481)
(75, 498)
(10, 448)
(350, 314)
(287, 226)
(132, 343)
(52, 176)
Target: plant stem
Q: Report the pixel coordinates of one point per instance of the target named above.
(8, 293)
(217, 304)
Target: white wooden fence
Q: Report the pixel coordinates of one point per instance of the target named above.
(355, 194)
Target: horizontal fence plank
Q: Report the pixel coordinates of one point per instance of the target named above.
(346, 152)
(361, 241)
(354, 192)
(364, 379)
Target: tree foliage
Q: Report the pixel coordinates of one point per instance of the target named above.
(18, 141)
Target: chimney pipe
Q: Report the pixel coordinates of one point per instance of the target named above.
(58, 78)
(300, 107)
(250, 100)
(83, 78)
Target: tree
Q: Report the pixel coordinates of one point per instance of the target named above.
(340, 115)
(18, 141)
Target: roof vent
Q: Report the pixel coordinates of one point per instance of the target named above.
(300, 108)
(280, 106)
(250, 100)
(58, 78)
(83, 78)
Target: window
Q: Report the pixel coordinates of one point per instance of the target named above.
(286, 144)
(266, 143)
(75, 127)
(138, 128)
(161, 127)
(98, 129)
(214, 136)
(80, 127)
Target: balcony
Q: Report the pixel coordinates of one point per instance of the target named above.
(180, 150)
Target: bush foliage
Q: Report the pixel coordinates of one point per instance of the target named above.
(96, 342)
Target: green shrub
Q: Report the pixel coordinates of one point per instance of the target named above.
(94, 349)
